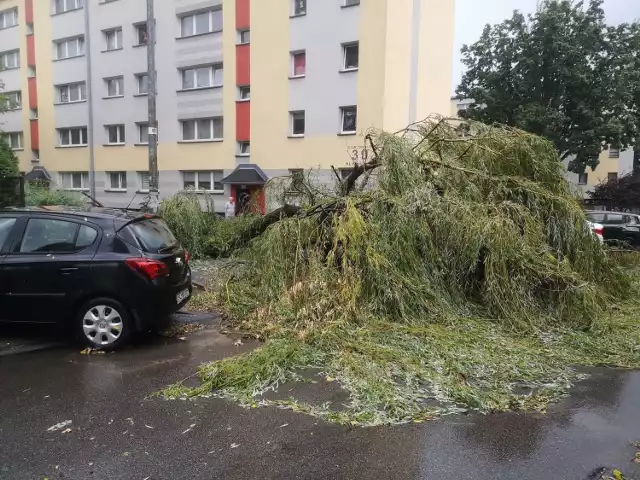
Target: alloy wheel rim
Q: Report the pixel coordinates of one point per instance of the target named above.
(102, 325)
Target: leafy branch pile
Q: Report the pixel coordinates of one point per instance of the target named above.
(462, 275)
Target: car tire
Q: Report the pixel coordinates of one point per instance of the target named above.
(104, 323)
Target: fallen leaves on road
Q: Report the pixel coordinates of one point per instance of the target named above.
(59, 426)
(189, 429)
(235, 445)
(181, 329)
(238, 342)
(66, 430)
(92, 351)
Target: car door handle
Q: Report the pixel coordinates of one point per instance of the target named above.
(67, 271)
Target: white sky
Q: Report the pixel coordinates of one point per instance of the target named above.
(473, 15)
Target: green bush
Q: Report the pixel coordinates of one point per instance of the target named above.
(8, 159)
(37, 195)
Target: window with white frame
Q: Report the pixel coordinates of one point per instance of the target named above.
(142, 83)
(9, 60)
(76, 136)
(244, 148)
(298, 64)
(144, 181)
(202, 77)
(73, 92)
(143, 133)
(69, 48)
(12, 100)
(113, 39)
(299, 7)
(201, 22)
(74, 180)
(349, 117)
(244, 92)
(350, 56)
(614, 152)
(297, 123)
(115, 134)
(583, 178)
(15, 140)
(208, 181)
(115, 86)
(351, 3)
(202, 129)
(61, 6)
(117, 180)
(8, 18)
(142, 35)
(244, 37)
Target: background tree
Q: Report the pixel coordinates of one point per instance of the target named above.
(562, 73)
(8, 159)
(620, 193)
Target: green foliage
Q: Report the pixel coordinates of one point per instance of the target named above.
(561, 73)
(467, 269)
(8, 159)
(40, 195)
(623, 192)
(226, 237)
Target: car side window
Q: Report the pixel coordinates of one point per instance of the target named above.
(6, 224)
(630, 220)
(49, 236)
(86, 237)
(596, 217)
(615, 219)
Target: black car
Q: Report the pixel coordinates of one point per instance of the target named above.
(106, 273)
(618, 227)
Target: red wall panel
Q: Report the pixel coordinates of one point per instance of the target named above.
(243, 65)
(28, 10)
(31, 50)
(243, 14)
(35, 135)
(243, 121)
(33, 93)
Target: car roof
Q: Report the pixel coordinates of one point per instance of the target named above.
(97, 213)
(609, 211)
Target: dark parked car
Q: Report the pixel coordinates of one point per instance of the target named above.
(106, 273)
(618, 227)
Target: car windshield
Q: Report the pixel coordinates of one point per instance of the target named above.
(153, 235)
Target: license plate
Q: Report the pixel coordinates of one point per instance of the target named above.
(182, 296)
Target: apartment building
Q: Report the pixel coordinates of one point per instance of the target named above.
(613, 161)
(246, 89)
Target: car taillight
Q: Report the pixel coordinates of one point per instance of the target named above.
(152, 269)
(598, 231)
(186, 256)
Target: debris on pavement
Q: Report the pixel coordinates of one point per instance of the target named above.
(59, 426)
(189, 429)
(92, 351)
(235, 445)
(179, 330)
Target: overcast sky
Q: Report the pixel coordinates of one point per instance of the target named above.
(473, 15)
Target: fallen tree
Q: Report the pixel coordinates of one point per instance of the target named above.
(467, 230)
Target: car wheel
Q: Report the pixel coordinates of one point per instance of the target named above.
(104, 323)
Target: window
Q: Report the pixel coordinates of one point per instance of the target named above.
(12, 100)
(244, 93)
(203, 181)
(351, 3)
(70, 48)
(117, 180)
(200, 23)
(631, 220)
(245, 37)
(612, 176)
(74, 180)
(614, 153)
(8, 18)
(142, 36)
(345, 172)
(297, 178)
(350, 56)
(297, 124)
(47, 236)
(15, 140)
(62, 6)
(142, 81)
(582, 178)
(615, 219)
(143, 133)
(299, 7)
(86, 237)
(244, 148)
(595, 217)
(73, 136)
(116, 134)
(9, 60)
(115, 87)
(202, 77)
(74, 92)
(349, 119)
(144, 180)
(6, 225)
(113, 39)
(202, 129)
(299, 64)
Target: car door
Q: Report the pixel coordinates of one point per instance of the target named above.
(47, 267)
(9, 224)
(614, 227)
(631, 230)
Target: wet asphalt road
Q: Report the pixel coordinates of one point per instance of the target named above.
(118, 432)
